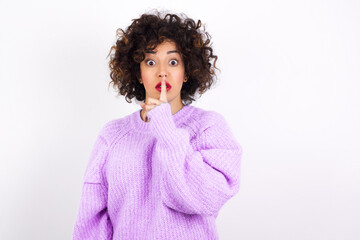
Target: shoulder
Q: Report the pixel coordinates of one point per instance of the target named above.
(206, 118)
(214, 129)
(202, 119)
(114, 129)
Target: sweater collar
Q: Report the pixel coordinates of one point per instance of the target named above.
(138, 124)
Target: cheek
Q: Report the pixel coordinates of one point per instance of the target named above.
(179, 78)
(145, 76)
(179, 81)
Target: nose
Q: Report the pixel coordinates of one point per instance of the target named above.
(161, 75)
(162, 70)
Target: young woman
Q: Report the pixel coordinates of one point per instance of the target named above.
(164, 171)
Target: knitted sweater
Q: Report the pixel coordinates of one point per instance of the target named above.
(163, 179)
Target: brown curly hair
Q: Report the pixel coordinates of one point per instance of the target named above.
(146, 33)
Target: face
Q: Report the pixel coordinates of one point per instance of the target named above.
(163, 60)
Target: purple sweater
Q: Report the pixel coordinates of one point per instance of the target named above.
(163, 179)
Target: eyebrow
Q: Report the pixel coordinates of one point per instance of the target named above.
(153, 52)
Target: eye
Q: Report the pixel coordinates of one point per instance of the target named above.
(150, 61)
(173, 61)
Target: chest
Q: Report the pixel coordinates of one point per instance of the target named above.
(133, 163)
(130, 163)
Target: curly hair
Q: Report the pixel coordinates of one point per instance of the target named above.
(145, 33)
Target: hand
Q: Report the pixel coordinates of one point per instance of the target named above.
(152, 102)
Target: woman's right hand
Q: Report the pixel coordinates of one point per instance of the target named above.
(152, 102)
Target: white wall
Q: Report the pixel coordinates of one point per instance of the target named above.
(289, 88)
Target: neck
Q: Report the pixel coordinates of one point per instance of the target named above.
(176, 107)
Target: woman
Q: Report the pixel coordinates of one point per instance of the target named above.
(164, 171)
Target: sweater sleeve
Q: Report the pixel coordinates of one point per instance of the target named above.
(93, 221)
(201, 180)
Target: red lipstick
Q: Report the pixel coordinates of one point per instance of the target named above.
(158, 86)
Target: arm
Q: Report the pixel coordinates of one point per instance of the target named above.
(93, 221)
(196, 181)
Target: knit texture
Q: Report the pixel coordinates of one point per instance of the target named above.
(163, 179)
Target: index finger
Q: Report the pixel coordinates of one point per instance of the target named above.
(163, 96)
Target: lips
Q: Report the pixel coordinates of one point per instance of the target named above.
(158, 87)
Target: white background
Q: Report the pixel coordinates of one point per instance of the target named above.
(289, 88)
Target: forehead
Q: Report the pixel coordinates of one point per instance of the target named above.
(166, 46)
